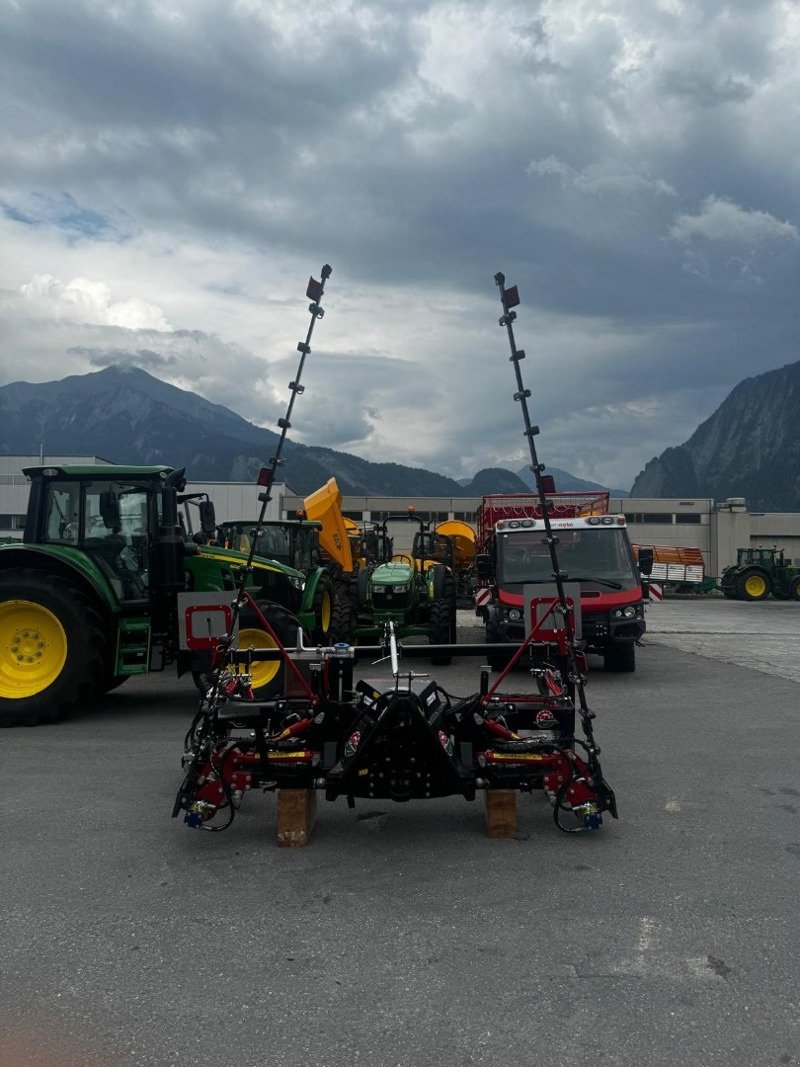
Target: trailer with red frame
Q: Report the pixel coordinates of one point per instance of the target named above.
(594, 549)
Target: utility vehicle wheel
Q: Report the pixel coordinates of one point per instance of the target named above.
(621, 659)
(753, 585)
(52, 648)
(497, 661)
(267, 675)
(343, 618)
(794, 591)
(322, 607)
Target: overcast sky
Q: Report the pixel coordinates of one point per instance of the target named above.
(172, 170)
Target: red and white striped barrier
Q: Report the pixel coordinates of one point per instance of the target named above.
(482, 598)
(656, 591)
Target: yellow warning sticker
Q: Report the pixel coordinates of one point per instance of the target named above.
(522, 757)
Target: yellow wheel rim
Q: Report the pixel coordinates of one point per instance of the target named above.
(755, 585)
(33, 649)
(325, 610)
(261, 673)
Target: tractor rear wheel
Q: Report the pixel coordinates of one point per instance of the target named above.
(753, 584)
(343, 617)
(794, 589)
(442, 621)
(53, 653)
(440, 629)
(267, 675)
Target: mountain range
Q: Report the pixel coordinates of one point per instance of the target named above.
(129, 416)
(749, 447)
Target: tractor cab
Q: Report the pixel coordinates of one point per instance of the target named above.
(293, 542)
(768, 557)
(114, 516)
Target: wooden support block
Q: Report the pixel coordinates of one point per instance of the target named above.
(297, 815)
(501, 813)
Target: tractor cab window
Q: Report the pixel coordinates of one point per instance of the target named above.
(116, 533)
(62, 513)
(273, 543)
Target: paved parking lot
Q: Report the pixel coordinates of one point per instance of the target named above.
(403, 935)
(763, 635)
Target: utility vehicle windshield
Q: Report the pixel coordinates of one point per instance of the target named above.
(600, 557)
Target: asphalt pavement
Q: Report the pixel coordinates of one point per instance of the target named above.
(402, 935)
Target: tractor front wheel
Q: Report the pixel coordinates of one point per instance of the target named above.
(753, 585)
(323, 608)
(794, 590)
(53, 653)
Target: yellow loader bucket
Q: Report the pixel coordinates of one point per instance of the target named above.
(325, 506)
(463, 537)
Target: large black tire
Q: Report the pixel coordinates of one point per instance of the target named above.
(114, 682)
(752, 584)
(621, 659)
(323, 607)
(343, 618)
(794, 590)
(497, 661)
(81, 640)
(439, 629)
(251, 632)
(363, 586)
(442, 621)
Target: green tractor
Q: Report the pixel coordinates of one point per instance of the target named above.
(296, 544)
(758, 572)
(104, 585)
(416, 592)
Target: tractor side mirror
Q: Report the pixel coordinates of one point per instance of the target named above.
(646, 561)
(208, 519)
(109, 510)
(483, 566)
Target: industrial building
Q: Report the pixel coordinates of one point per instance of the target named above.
(718, 529)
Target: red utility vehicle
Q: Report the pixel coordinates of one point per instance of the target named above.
(593, 549)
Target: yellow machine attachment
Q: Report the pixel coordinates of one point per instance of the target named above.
(325, 506)
(464, 543)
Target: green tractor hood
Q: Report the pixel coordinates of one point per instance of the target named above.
(394, 573)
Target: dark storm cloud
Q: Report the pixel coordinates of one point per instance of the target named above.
(632, 165)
